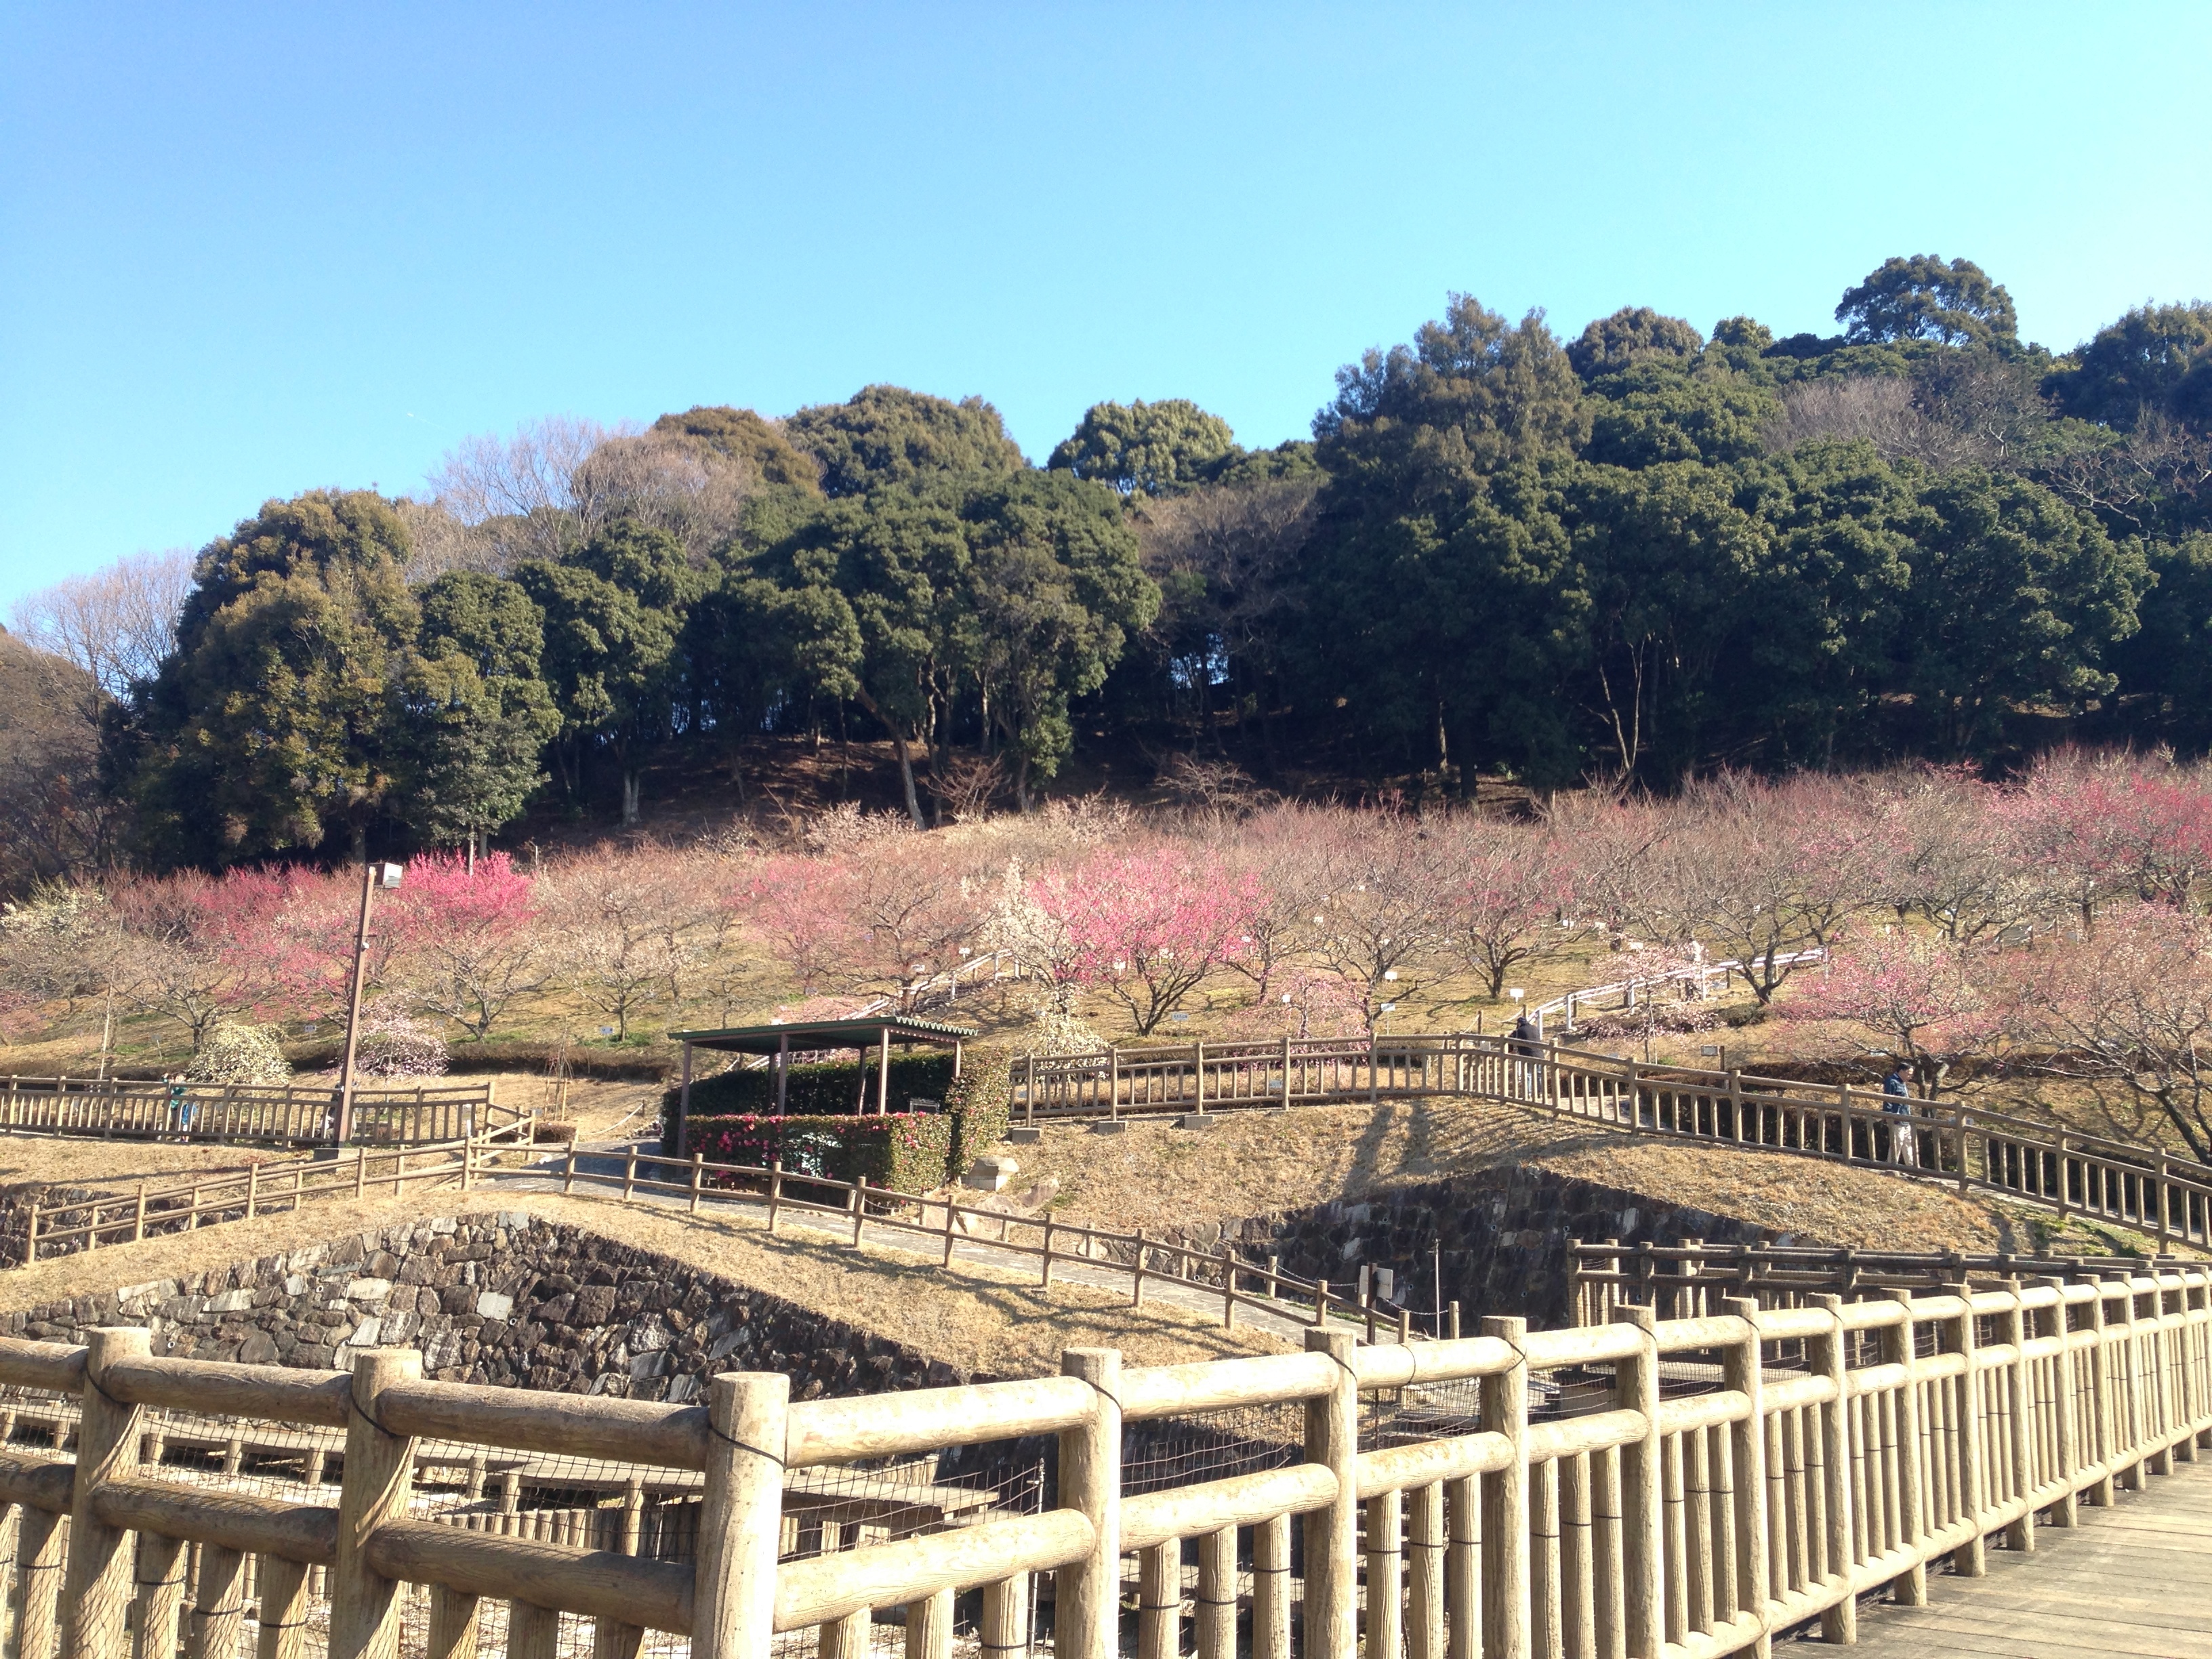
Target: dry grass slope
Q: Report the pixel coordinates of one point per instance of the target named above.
(973, 1316)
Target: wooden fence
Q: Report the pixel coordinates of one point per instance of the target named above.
(860, 1210)
(1695, 982)
(249, 1114)
(1962, 1146)
(1734, 1476)
(271, 1188)
(1689, 1280)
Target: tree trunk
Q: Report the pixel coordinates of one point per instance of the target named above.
(630, 781)
(906, 778)
(1022, 785)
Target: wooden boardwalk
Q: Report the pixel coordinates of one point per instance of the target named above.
(2133, 1580)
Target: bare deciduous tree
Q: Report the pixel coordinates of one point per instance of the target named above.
(115, 623)
(557, 482)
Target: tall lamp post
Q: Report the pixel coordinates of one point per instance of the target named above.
(373, 876)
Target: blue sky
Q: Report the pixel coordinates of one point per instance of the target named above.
(249, 250)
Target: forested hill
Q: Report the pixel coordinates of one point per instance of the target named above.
(1641, 553)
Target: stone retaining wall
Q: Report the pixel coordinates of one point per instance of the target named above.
(1504, 1235)
(501, 1297)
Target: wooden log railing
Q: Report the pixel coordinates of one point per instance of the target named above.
(271, 1188)
(249, 1114)
(1730, 1478)
(1961, 1145)
(1690, 1279)
(856, 1210)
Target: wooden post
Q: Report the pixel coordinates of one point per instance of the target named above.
(569, 1171)
(1137, 1273)
(1270, 1588)
(1505, 1578)
(379, 1477)
(97, 1588)
(1159, 1600)
(1970, 1560)
(281, 1611)
(1217, 1594)
(1910, 1587)
(1636, 1387)
(1385, 1554)
(1004, 1625)
(138, 1223)
(1425, 1574)
(1029, 1090)
(1332, 1559)
(1086, 1620)
(2067, 1511)
(859, 1209)
(218, 1611)
(160, 1571)
(1829, 1357)
(1739, 1370)
(1374, 1081)
(252, 1188)
(2021, 1429)
(1228, 1286)
(452, 1625)
(741, 1519)
(2105, 1448)
(698, 1178)
(533, 1632)
(883, 1099)
(41, 1543)
(775, 1191)
(1197, 1072)
(630, 1175)
(1113, 1081)
(929, 1627)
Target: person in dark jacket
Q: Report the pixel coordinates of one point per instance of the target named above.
(1897, 1102)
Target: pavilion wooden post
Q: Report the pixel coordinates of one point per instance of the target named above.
(684, 1107)
(782, 1072)
(884, 1073)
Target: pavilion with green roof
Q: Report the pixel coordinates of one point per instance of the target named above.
(778, 1043)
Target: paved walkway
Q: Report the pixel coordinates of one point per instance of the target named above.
(2133, 1580)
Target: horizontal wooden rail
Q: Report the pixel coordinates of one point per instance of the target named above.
(1731, 1474)
(281, 1115)
(271, 1188)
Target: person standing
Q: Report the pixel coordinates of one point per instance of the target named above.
(1528, 1044)
(1896, 1102)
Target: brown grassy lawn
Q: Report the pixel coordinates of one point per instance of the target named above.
(1157, 1176)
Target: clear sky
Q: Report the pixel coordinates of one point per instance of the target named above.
(248, 250)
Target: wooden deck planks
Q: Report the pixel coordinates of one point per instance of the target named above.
(2134, 1580)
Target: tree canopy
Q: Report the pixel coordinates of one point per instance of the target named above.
(885, 434)
(1922, 298)
(1642, 553)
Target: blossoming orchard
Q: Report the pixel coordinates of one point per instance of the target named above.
(2041, 936)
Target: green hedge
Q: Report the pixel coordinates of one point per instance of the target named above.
(906, 1152)
(820, 1091)
(981, 1103)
